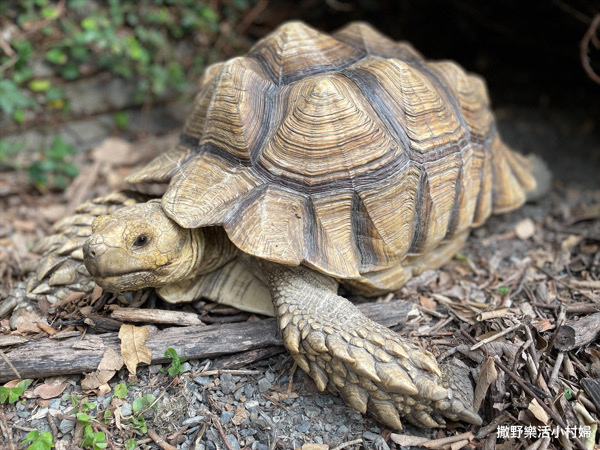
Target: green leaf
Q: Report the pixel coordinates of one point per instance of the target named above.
(57, 55)
(4, 391)
(25, 384)
(31, 436)
(39, 85)
(70, 71)
(13, 396)
(19, 115)
(142, 402)
(11, 97)
(84, 418)
(47, 438)
(49, 13)
(130, 444)
(171, 353)
(503, 290)
(568, 393)
(89, 23)
(120, 390)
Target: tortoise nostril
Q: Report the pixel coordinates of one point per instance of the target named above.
(88, 250)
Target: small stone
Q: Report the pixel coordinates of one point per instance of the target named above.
(193, 420)
(251, 404)
(264, 385)
(342, 430)
(54, 403)
(66, 426)
(312, 411)
(378, 441)
(126, 409)
(202, 381)
(227, 384)
(186, 367)
(23, 414)
(525, 229)
(249, 390)
(226, 417)
(233, 442)
(154, 368)
(304, 426)
(238, 394)
(259, 446)
(270, 376)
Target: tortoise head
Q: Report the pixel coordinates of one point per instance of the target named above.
(139, 246)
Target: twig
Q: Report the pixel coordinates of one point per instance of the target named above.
(251, 16)
(436, 443)
(220, 430)
(529, 392)
(6, 429)
(160, 441)
(495, 336)
(348, 444)
(210, 373)
(553, 381)
(583, 49)
(7, 361)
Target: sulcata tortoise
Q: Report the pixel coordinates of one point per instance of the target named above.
(316, 161)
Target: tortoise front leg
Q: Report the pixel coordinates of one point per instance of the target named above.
(372, 368)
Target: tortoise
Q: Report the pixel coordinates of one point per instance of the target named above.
(313, 162)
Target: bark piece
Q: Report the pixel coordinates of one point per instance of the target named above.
(156, 316)
(575, 334)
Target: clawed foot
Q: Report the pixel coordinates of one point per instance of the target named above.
(372, 368)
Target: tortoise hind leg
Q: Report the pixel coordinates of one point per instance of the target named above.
(372, 368)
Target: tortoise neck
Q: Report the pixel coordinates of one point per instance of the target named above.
(212, 249)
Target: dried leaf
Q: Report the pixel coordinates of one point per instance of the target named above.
(240, 415)
(538, 412)
(133, 346)
(487, 376)
(52, 387)
(47, 391)
(110, 363)
(428, 303)
(26, 322)
(407, 440)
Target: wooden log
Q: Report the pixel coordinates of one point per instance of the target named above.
(575, 334)
(49, 357)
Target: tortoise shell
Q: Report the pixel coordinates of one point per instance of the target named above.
(348, 152)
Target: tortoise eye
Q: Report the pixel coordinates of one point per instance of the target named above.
(141, 241)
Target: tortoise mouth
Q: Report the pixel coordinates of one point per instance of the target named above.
(125, 280)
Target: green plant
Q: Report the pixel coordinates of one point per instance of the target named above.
(94, 439)
(54, 169)
(13, 394)
(121, 390)
(130, 444)
(141, 404)
(503, 290)
(175, 367)
(152, 42)
(8, 151)
(43, 441)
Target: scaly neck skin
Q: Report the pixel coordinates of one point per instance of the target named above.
(212, 249)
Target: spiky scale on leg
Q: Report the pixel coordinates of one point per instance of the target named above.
(367, 364)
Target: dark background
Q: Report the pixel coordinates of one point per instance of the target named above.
(527, 50)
